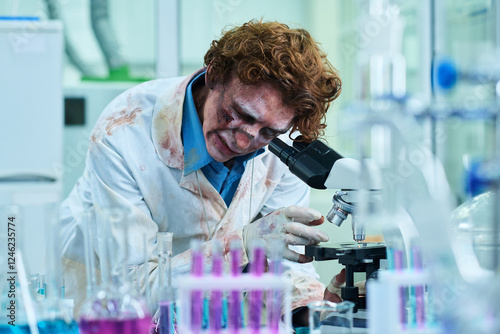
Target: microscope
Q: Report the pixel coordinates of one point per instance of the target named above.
(321, 167)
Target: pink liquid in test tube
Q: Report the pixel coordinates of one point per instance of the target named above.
(419, 290)
(256, 270)
(234, 310)
(275, 297)
(196, 296)
(216, 300)
(115, 326)
(398, 266)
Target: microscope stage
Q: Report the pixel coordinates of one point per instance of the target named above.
(354, 250)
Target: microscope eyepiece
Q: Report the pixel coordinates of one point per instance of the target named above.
(283, 151)
(309, 162)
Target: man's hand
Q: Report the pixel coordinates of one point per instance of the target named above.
(333, 290)
(291, 225)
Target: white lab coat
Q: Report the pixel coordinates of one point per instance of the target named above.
(136, 160)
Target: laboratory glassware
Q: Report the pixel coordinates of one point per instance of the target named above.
(54, 315)
(196, 295)
(257, 264)
(167, 296)
(275, 297)
(216, 302)
(19, 309)
(237, 284)
(114, 308)
(235, 319)
(326, 317)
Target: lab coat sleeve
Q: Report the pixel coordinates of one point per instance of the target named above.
(112, 184)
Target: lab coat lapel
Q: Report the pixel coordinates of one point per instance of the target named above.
(167, 123)
(214, 205)
(207, 190)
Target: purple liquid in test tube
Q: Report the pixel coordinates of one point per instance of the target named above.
(115, 326)
(196, 296)
(275, 297)
(234, 303)
(216, 300)
(255, 299)
(166, 317)
(419, 290)
(398, 266)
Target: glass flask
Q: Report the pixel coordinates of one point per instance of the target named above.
(475, 244)
(113, 307)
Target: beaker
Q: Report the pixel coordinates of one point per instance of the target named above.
(326, 317)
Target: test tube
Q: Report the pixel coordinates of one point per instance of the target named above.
(234, 303)
(216, 298)
(196, 296)
(416, 258)
(89, 246)
(166, 321)
(275, 297)
(42, 285)
(398, 266)
(257, 264)
(147, 291)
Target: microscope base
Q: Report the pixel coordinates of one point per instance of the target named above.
(356, 257)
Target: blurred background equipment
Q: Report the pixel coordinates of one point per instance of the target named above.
(31, 147)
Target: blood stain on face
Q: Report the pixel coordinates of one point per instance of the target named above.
(224, 116)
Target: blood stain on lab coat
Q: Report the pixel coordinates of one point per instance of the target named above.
(124, 117)
(269, 183)
(121, 120)
(168, 138)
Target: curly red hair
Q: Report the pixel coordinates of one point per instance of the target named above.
(289, 59)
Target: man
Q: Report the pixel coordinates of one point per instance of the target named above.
(186, 155)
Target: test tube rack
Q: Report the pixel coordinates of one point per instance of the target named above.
(228, 283)
(388, 308)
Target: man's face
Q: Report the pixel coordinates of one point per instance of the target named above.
(239, 119)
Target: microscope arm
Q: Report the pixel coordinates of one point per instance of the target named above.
(321, 167)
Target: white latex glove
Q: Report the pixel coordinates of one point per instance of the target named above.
(291, 225)
(334, 289)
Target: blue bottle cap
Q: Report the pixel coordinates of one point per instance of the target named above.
(446, 73)
(302, 330)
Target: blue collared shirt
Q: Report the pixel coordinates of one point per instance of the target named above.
(196, 156)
